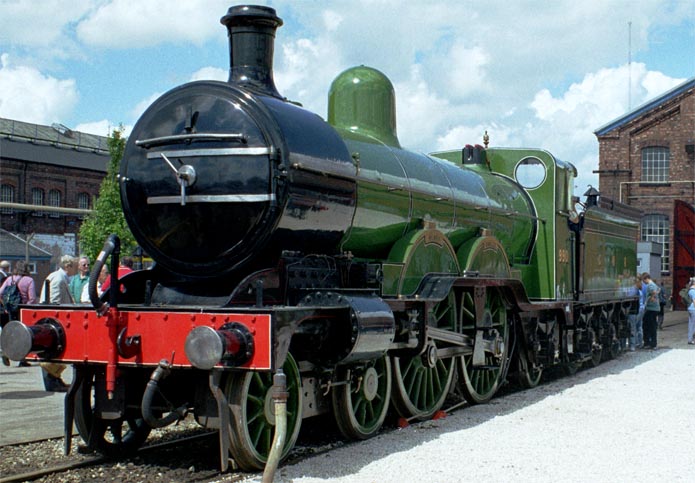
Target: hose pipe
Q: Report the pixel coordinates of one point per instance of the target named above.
(280, 396)
(111, 245)
(159, 374)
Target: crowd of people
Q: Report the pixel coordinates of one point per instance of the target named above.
(648, 318)
(69, 284)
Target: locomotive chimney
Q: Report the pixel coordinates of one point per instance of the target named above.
(251, 31)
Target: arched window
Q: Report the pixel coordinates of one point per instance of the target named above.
(83, 201)
(54, 197)
(655, 164)
(37, 196)
(655, 228)
(7, 196)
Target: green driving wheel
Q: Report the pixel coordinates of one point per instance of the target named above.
(252, 418)
(360, 405)
(479, 382)
(421, 383)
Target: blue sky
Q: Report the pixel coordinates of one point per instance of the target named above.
(532, 73)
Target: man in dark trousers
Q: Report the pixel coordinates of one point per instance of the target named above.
(651, 311)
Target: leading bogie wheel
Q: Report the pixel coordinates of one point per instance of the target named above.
(480, 382)
(112, 437)
(252, 414)
(360, 405)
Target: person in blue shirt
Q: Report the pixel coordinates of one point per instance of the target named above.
(635, 316)
(651, 311)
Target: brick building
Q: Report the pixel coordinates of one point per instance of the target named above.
(647, 160)
(49, 176)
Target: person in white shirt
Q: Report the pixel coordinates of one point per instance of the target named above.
(100, 282)
(58, 287)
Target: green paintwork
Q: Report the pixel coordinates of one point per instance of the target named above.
(484, 255)
(539, 273)
(401, 193)
(609, 264)
(399, 190)
(421, 251)
(362, 100)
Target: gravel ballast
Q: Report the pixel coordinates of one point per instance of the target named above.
(630, 419)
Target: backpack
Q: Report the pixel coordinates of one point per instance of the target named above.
(11, 298)
(685, 297)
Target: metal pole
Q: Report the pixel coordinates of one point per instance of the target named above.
(280, 396)
(26, 247)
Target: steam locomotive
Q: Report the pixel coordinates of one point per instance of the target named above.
(371, 277)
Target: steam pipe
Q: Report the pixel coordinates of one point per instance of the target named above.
(112, 244)
(159, 374)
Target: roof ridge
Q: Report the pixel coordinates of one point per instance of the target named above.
(647, 106)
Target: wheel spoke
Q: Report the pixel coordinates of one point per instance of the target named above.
(115, 438)
(360, 414)
(480, 383)
(251, 432)
(421, 385)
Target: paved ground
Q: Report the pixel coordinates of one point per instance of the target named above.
(28, 412)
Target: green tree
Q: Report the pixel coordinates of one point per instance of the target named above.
(107, 216)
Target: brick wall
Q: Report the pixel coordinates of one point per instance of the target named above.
(672, 125)
(25, 176)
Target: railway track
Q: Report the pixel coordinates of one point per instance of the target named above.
(155, 457)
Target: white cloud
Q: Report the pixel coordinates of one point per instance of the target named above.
(653, 84)
(467, 73)
(306, 70)
(141, 106)
(332, 20)
(420, 111)
(42, 24)
(137, 23)
(565, 123)
(210, 73)
(31, 96)
(457, 137)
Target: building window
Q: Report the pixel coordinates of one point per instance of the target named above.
(7, 196)
(54, 197)
(655, 164)
(655, 228)
(83, 201)
(37, 196)
(32, 268)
